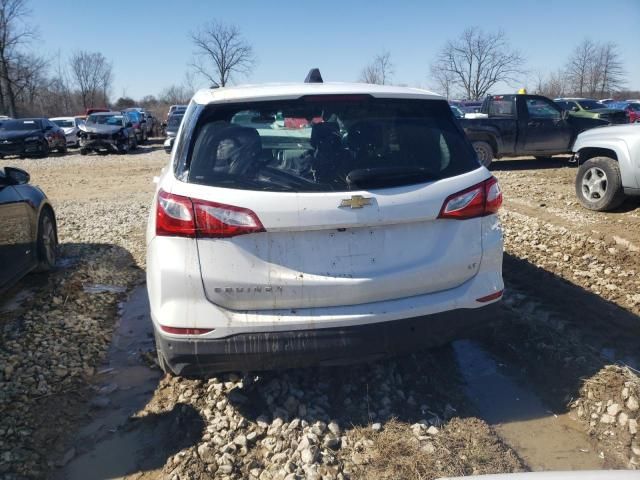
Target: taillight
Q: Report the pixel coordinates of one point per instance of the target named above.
(185, 331)
(478, 201)
(174, 216)
(180, 216)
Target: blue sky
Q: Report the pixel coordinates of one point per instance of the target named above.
(148, 43)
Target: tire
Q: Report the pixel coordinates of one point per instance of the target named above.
(134, 143)
(45, 150)
(599, 185)
(484, 152)
(84, 151)
(47, 242)
(63, 149)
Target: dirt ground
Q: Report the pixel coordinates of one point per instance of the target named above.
(571, 310)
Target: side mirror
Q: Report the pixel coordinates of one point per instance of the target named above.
(574, 109)
(16, 176)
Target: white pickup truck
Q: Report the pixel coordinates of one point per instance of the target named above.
(609, 159)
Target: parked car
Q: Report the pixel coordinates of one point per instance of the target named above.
(107, 132)
(28, 232)
(31, 137)
(521, 124)
(274, 247)
(176, 109)
(457, 112)
(632, 109)
(172, 130)
(89, 111)
(588, 108)
(609, 169)
(70, 126)
(139, 123)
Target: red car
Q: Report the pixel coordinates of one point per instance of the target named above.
(632, 109)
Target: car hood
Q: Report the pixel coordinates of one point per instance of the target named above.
(101, 128)
(605, 110)
(68, 130)
(10, 134)
(609, 132)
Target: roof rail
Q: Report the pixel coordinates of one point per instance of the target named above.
(314, 76)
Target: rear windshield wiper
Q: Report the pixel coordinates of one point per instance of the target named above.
(389, 177)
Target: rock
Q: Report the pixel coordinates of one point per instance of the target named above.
(207, 453)
(331, 442)
(632, 403)
(358, 458)
(606, 418)
(240, 440)
(633, 426)
(309, 455)
(334, 428)
(432, 430)
(376, 427)
(623, 418)
(625, 393)
(613, 409)
(635, 448)
(428, 447)
(225, 468)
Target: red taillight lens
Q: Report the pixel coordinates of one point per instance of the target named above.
(478, 201)
(180, 216)
(174, 216)
(216, 220)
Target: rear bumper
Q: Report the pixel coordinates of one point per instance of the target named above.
(323, 346)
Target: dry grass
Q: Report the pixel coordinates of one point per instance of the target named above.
(462, 447)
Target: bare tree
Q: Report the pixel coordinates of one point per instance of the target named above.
(444, 81)
(221, 53)
(594, 69)
(14, 35)
(379, 71)
(612, 76)
(579, 66)
(175, 95)
(478, 60)
(92, 74)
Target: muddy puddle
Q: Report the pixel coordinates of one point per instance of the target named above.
(543, 439)
(115, 443)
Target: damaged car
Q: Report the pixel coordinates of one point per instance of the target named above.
(107, 132)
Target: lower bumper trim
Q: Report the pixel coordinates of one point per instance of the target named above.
(326, 346)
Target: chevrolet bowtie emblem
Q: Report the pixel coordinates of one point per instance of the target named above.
(356, 201)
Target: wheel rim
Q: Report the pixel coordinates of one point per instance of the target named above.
(483, 156)
(48, 241)
(594, 184)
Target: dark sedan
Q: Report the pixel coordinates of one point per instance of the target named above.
(28, 233)
(172, 130)
(31, 137)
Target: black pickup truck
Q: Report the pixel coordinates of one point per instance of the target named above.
(515, 125)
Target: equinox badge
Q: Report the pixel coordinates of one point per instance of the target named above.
(356, 201)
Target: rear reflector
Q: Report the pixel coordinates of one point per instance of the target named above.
(179, 216)
(185, 331)
(488, 298)
(480, 200)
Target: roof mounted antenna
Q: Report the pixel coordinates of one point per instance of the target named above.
(314, 76)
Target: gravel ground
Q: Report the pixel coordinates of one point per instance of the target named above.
(310, 423)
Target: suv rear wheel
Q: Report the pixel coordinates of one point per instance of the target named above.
(599, 185)
(47, 241)
(484, 153)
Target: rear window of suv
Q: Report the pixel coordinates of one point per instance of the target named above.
(326, 143)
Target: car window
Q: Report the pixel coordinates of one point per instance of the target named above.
(502, 106)
(64, 123)
(591, 105)
(327, 145)
(542, 108)
(22, 125)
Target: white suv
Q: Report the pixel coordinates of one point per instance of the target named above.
(318, 223)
